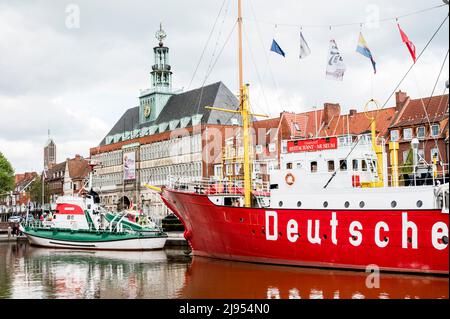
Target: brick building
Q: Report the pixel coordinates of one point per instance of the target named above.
(425, 119)
(165, 135)
(67, 178)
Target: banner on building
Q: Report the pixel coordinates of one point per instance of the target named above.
(312, 145)
(129, 166)
(335, 66)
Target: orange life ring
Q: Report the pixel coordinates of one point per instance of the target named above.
(290, 179)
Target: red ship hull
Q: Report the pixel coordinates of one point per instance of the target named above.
(242, 234)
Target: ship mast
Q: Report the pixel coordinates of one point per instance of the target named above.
(243, 99)
(244, 111)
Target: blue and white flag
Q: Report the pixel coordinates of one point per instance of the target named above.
(304, 48)
(277, 49)
(364, 50)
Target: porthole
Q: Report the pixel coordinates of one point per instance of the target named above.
(362, 204)
(280, 204)
(347, 205)
(393, 204)
(299, 204)
(419, 203)
(385, 239)
(324, 236)
(445, 240)
(325, 204)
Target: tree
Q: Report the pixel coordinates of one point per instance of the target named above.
(6, 175)
(36, 191)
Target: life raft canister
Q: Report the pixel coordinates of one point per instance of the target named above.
(290, 179)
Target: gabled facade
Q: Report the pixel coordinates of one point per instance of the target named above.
(425, 119)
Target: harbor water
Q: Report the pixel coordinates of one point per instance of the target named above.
(33, 272)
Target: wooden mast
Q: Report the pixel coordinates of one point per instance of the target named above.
(243, 97)
(245, 114)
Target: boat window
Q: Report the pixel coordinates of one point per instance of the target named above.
(343, 165)
(313, 167)
(355, 164)
(364, 166)
(331, 166)
(374, 166)
(393, 204)
(419, 203)
(288, 165)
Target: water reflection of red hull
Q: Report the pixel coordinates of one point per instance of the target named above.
(211, 278)
(237, 233)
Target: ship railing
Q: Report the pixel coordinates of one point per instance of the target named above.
(217, 186)
(418, 175)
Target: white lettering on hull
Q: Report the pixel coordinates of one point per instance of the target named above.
(378, 241)
(438, 232)
(354, 228)
(274, 215)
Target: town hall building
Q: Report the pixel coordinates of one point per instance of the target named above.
(165, 135)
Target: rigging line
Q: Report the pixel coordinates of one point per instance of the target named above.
(268, 67)
(206, 44)
(393, 92)
(351, 23)
(257, 74)
(208, 70)
(211, 67)
(428, 104)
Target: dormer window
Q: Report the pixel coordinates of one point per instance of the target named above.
(297, 127)
(435, 130)
(407, 134)
(421, 132)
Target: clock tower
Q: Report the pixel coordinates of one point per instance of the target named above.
(153, 100)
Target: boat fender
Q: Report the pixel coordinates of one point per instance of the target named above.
(290, 179)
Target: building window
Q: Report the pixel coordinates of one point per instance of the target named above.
(343, 165)
(355, 164)
(331, 166)
(407, 133)
(405, 156)
(435, 130)
(218, 170)
(229, 169)
(288, 165)
(434, 153)
(313, 167)
(394, 136)
(421, 154)
(364, 166)
(421, 132)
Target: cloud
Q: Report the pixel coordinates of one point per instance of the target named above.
(78, 82)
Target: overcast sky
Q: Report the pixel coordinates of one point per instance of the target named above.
(76, 77)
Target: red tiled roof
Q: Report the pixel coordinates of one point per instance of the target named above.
(78, 168)
(416, 111)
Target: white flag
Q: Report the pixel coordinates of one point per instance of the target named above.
(335, 64)
(304, 48)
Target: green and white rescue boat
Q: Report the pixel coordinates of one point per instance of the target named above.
(81, 223)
